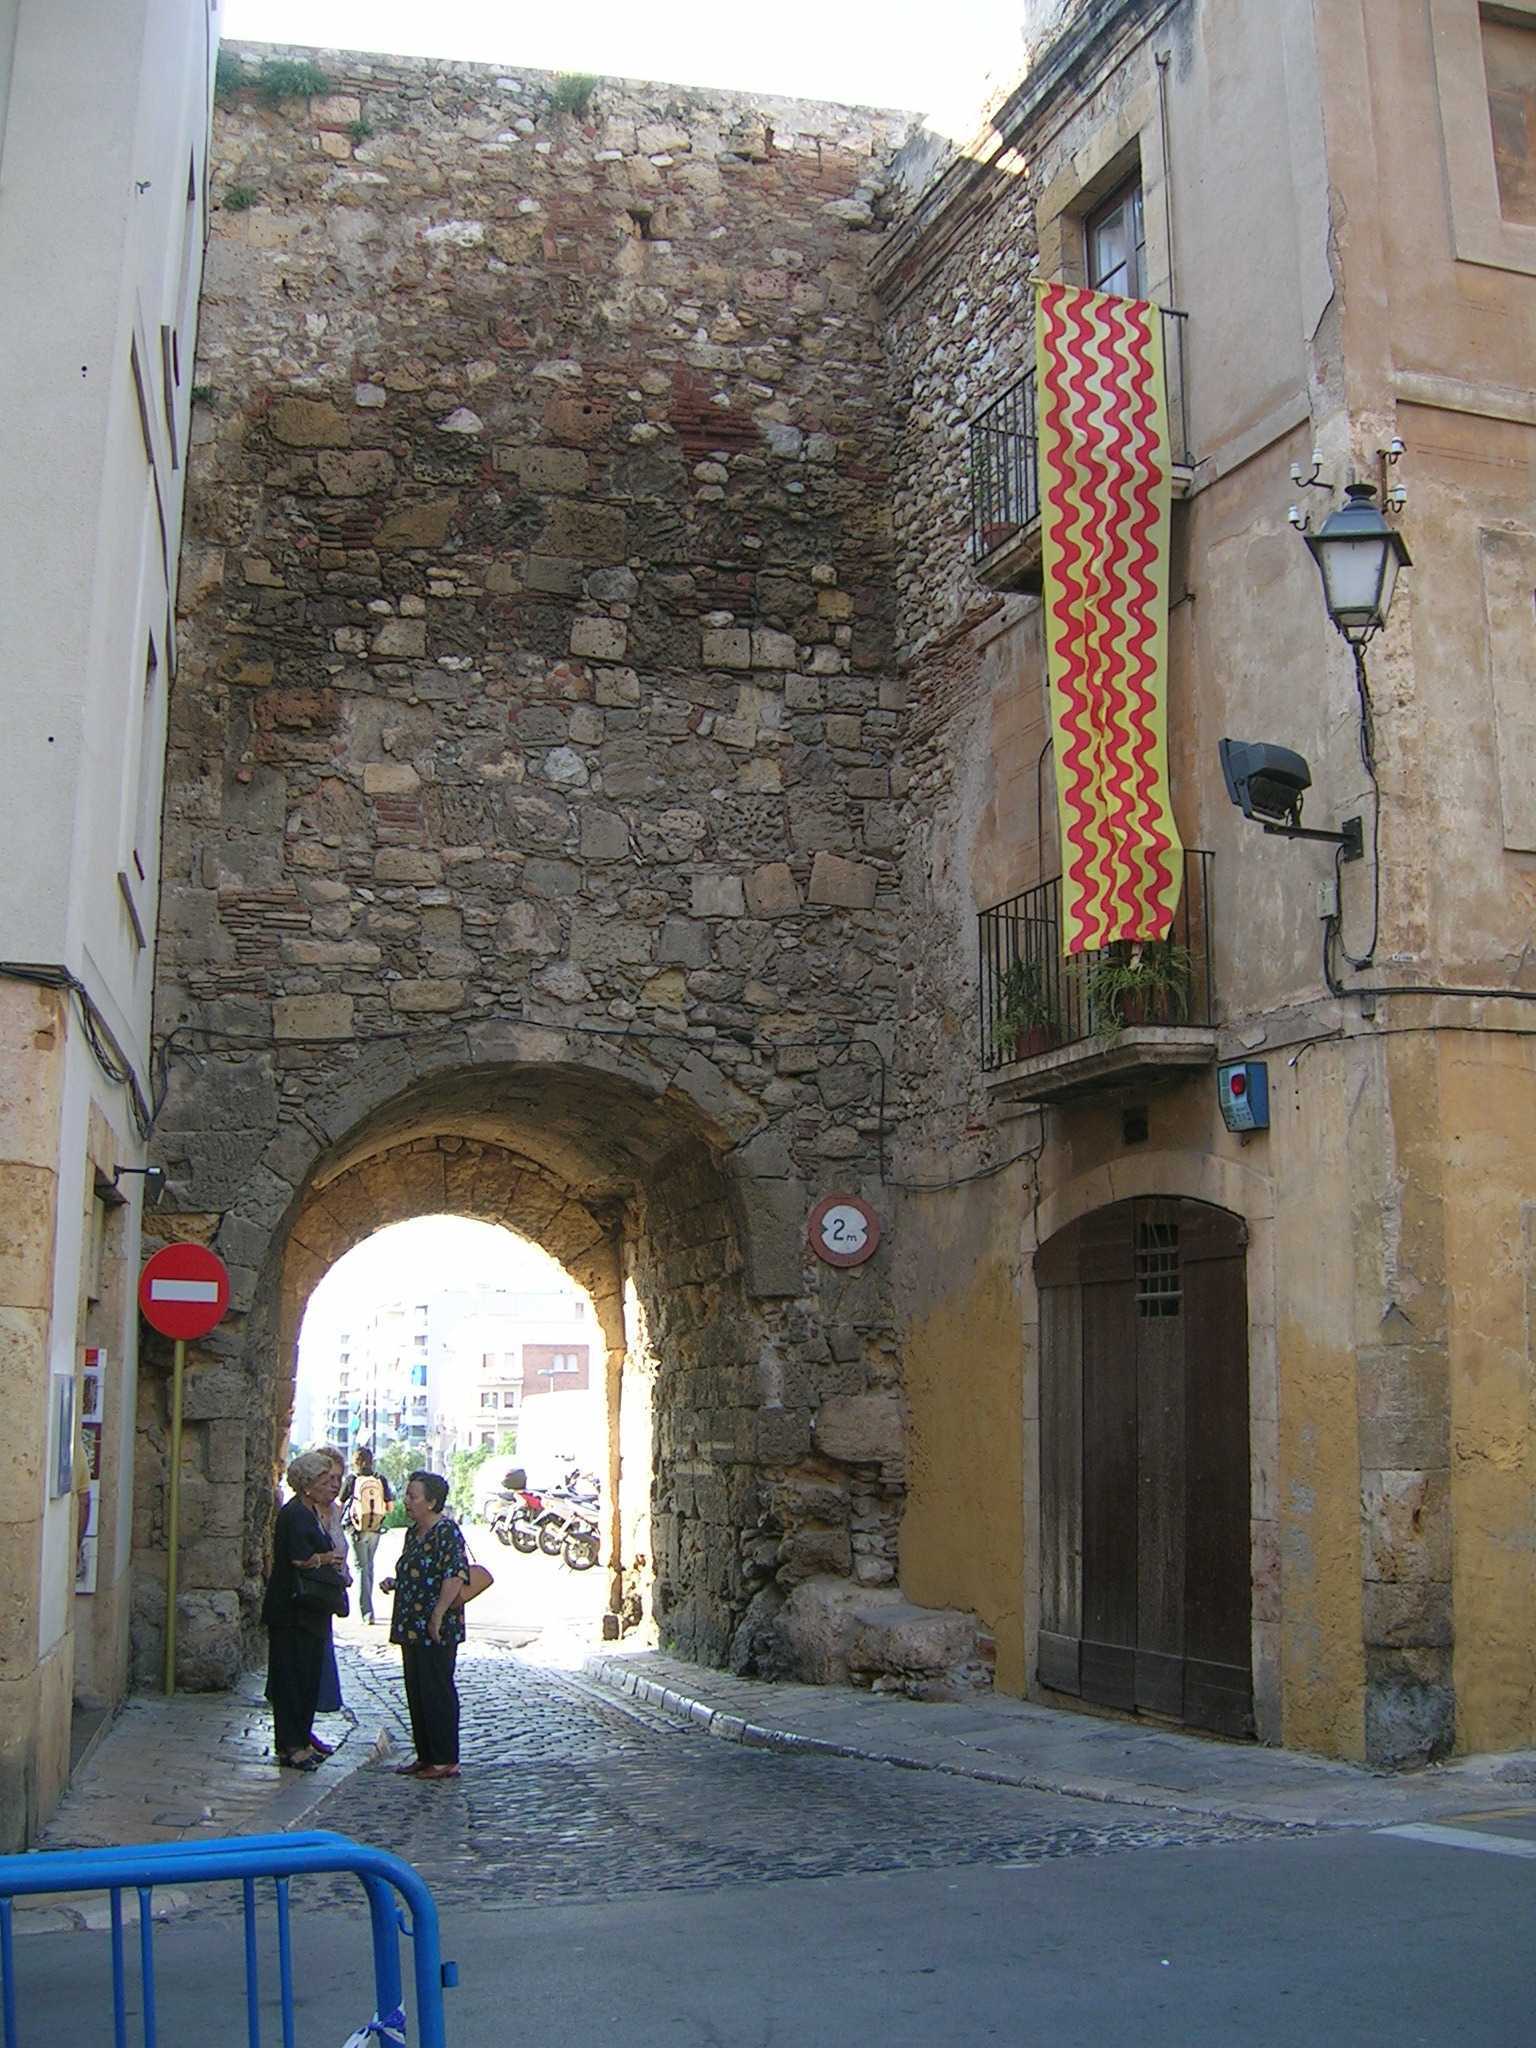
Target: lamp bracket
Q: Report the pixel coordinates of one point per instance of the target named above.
(1351, 837)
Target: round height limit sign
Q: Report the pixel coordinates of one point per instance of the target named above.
(843, 1230)
(184, 1291)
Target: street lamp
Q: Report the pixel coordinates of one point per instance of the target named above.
(1358, 556)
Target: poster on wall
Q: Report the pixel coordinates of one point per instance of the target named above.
(85, 1553)
(91, 1376)
(62, 1475)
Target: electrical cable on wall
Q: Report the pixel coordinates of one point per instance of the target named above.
(144, 1105)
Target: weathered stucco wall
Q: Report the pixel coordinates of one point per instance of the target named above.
(1389, 1345)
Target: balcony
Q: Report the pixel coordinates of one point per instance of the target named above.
(1055, 1026)
(1005, 472)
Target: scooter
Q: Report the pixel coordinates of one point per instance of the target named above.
(582, 1543)
(562, 1504)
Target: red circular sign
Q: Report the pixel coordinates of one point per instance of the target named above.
(184, 1290)
(843, 1230)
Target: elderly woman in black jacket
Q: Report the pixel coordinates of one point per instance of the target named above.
(303, 1592)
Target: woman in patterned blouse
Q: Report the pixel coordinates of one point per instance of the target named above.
(428, 1624)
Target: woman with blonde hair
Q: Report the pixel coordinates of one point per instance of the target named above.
(330, 1700)
(304, 1592)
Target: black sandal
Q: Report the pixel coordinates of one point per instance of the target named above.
(299, 1763)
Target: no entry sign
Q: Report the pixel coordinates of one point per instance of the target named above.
(184, 1290)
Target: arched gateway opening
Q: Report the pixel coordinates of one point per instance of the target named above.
(633, 1171)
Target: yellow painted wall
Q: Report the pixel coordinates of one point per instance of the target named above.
(971, 1447)
(1488, 1097)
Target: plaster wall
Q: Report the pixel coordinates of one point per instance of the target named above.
(102, 143)
(1389, 1372)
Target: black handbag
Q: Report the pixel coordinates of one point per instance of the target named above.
(320, 1591)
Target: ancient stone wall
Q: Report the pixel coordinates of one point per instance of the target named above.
(535, 724)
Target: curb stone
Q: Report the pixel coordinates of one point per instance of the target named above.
(613, 1673)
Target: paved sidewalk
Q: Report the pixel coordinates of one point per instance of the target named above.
(185, 1769)
(1012, 1742)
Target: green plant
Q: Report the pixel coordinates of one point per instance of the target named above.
(228, 78)
(1024, 1004)
(572, 92)
(290, 78)
(359, 130)
(1139, 981)
(202, 394)
(239, 198)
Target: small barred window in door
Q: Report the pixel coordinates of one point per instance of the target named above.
(1158, 1292)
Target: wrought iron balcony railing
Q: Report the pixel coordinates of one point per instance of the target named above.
(1005, 473)
(1035, 999)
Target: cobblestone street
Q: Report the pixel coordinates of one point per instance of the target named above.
(566, 1795)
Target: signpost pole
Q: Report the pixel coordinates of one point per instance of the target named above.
(173, 1515)
(183, 1293)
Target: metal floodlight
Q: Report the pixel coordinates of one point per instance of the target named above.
(1358, 556)
(1267, 783)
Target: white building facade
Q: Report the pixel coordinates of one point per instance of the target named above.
(104, 118)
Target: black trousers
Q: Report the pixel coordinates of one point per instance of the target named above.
(433, 1700)
(295, 1661)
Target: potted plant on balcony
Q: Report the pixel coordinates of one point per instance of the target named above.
(1024, 1015)
(1140, 982)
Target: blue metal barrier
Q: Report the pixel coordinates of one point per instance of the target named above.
(246, 1858)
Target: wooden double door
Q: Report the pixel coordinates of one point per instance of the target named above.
(1146, 1568)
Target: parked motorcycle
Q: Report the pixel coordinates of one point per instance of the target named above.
(515, 1518)
(582, 1544)
(564, 1506)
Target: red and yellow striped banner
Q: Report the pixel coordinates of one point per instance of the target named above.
(1104, 488)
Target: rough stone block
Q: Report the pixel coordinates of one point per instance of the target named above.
(418, 526)
(616, 687)
(1408, 1617)
(208, 1646)
(1406, 1525)
(308, 423)
(389, 778)
(1410, 1707)
(718, 896)
(810, 1551)
(847, 884)
(401, 639)
(555, 574)
(683, 941)
(545, 469)
(24, 1376)
(598, 640)
(773, 650)
(727, 647)
(604, 835)
(772, 891)
(775, 1249)
(585, 532)
(896, 1636)
(356, 474)
(27, 1196)
(426, 997)
(861, 1429)
(406, 864)
(312, 1017)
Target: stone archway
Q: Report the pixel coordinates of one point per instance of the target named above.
(646, 1176)
(446, 1174)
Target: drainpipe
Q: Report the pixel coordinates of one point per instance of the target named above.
(1161, 58)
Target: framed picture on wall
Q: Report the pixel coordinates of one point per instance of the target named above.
(62, 1476)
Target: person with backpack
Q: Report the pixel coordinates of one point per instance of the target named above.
(366, 1499)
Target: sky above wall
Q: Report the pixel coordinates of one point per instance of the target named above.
(926, 58)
